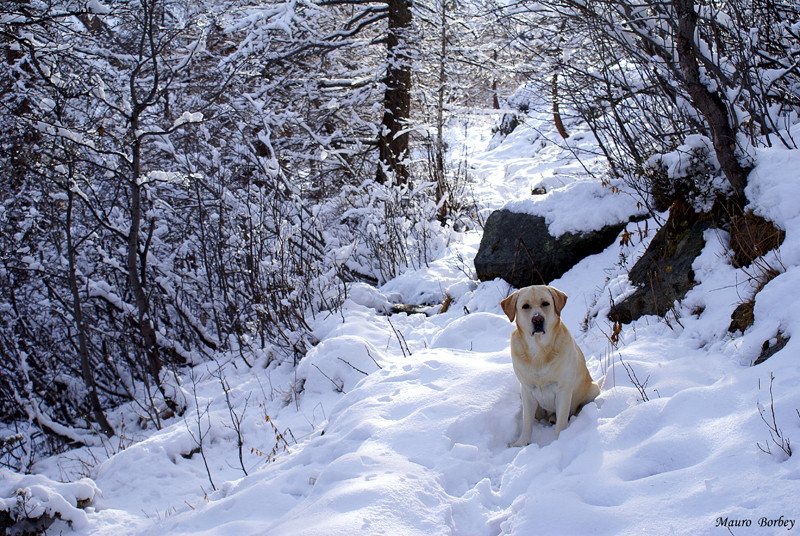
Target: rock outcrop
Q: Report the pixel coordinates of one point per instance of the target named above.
(664, 273)
(519, 249)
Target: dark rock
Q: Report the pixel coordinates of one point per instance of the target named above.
(519, 249)
(664, 273)
(508, 124)
(742, 317)
(409, 309)
(18, 522)
(768, 351)
(538, 190)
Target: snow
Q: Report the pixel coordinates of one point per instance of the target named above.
(534, 157)
(608, 206)
(47, 104)
(400, 424)
(36, 495)
(96, 7)
(188, 117)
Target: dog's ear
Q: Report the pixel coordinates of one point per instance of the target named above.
(509, 306)
(559, 299)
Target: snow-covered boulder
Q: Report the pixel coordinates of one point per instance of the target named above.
(520, 249)
(31, 503)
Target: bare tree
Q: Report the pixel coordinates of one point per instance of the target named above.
(709, 103)
(91, 108)
(393, 136)
(644, 77)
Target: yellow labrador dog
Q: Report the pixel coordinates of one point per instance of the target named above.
(549, 364)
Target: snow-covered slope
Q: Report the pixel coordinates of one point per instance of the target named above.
(400, 425)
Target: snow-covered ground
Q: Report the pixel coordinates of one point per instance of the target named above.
(400, 425)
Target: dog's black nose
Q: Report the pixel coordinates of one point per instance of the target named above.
(538, 323)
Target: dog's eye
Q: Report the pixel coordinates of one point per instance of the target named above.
(545, 303)
(526, 306)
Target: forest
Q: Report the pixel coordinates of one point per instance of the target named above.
(185, 180)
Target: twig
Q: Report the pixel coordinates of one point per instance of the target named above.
(775, 433)
(400, 339)
(339, 388)
(640, 386)
(281, 445)
(353, 366)
(198, 439)
(370, 356)
(236, 419)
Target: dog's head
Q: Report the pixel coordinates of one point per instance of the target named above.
(536, 309)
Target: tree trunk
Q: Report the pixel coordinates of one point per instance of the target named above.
(392, 139)
(137, 286)
(136, 274)
(495, 98)
(554, 87)
(441, 187)
(77, 315)
(707, 102)
(556, 112)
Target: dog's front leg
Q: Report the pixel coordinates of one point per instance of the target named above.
(529, 407)
(563, 405)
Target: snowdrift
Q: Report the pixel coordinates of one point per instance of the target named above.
(400, 425)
